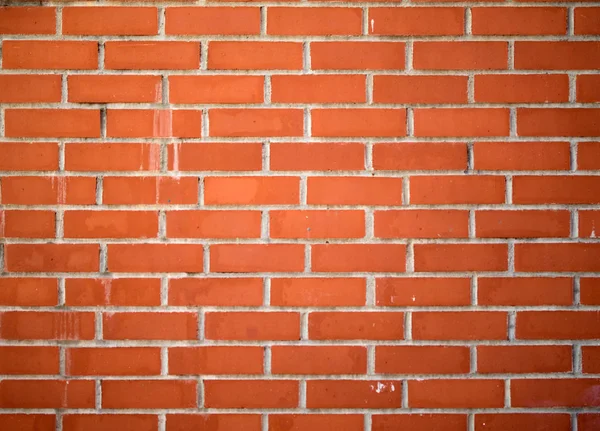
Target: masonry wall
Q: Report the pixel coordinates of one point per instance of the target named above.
(300, 216)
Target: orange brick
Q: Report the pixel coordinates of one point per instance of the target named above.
(256, 258)
(354, 191)
(129, 55)
(311, 422)
(212, 20)
(153, 123)
(523, 359)
(46, 54)
(556, 189)
(358, 122)
(150, 326)
(417, 21)
(27, 20)
(557, 325)
(209, 156)
(558, 122)
(370, 394)
(457, 325)
(557, 55)
(49, 190)
(47, 325)
(51, 257)
(521, 88)
(345, 325)
(216, 360)
(406, 292)
(555, 393)
(213, 224)
(251, 394)
(216, 89)
(110, 224)
(470, 189)
(587, 20)
(192, 422)
(419, 421)
(530, 21)
(29, 360)
(150, 190)
(256, 122)
(84, 292)
(102, 422)
(565, 257)
(130, 21)
(422, 359)
(588, 88)
(357, 55)
(47, 394)
(420, 88)
(321, 156)
(28, 292)
(28, 156)
(27, 224)
(254, 55)
(528, 156)
(456, 394)
(112, 157)
(417, 156)
(358, 257)
(522, 224)
(318, 292)
(318, 88)
(252, 326)
(113, 361)
(155, 257)
(588, 220)
(29, 88)
(460, 55)
(422, 224)
(148, 394)
(525, 291)
(319, 359)
(28, 421)
(460, 257)
(590, 291)
(504, 421)
(59, 123)
(216, 291)
(251, 190)
(321, 21)
(317, 224)
(437, 122)
(114, 88)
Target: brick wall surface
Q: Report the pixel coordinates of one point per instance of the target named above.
(300, 215)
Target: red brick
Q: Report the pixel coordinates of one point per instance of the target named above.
(256, 122)
(354, 191)
(46, 325)
(590, 359)
(419, 421)
(318, 88)
(587, 20)
(213, 224)
(28, 422)
(51, 257)
(522, 224)
(407, 292)
(113, 361)
(212, 20)
(213, 422)
(47, 394)
(130, 55)
(251, 190)
(588, 421)
(216, 291)
(558, 325)
(556, 189)
(422, 359)
(469, 189)
(85, 292)
(559, 55)
(49, 54)
(28, 156)
(252, 326)
(250, 394)
(528, 21)
(130, 21)
(353, 394)
(316, 224)
(58, 123)
(457, 325)
(588, 88)
(358, 258)
(456, 394)
(150, 190)
(318, 292)
(29, 360)
(527, 156)
(155, 257)
(48, 190)
(417, 156)
(254, 55)
(27, 224)
(437, 122)
(521, 88)
(114, 88)
(516, 421)
(587, 224)
(460, 257)
(148, 394)
(525, 291)
(257, 258)
(215, 156)
(28, 292)
(107, 422)
(27, 20)
(523, 359)
(319, 360)
(320, 21)
(153, 123)
(590, 291)
(150, 326)
(588, 155)
(421, 224)
(344, 325)
(112, 157)
(460, 55)
(311, 422)
(321, 156)
(357, 55)
(29, 88)
(558, 122)
(216, 89)
(548, 257)
(216, 360)
(416, 21)
(434, 89)
(358, 122)
(110, 224)
(554, 393)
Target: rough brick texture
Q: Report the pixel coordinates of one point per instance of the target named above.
(299, 215)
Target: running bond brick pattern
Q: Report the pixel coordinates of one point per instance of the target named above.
(300, 215)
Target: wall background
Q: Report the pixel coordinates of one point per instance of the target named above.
(300, 216)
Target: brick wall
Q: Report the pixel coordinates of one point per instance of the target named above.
(300, 216)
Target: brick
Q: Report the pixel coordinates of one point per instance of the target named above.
(105, 422)
(46, 325)
(112, 157)
(418, 156)
(318, 292)
(213, 422)
(250, 394)
(28, 156)
(216, 360)
(590, 291)
(522, 224)
(559, 55)
(558, 122)
(417, 21)
(436, 122)
(523, 359)
(321, 156)
(587, 421)
(28, 421)
(460, 257)
(358, 122)
(251, 190)
(216, 89)
(256, 122)
(153, 123)
(318, 88)
(521, 88)
(590, 359)
(150, 326)
(556, 189)
(422, 359)
(553, 393)
(358, 258)
(311, 422)
(129, 55)
(457, 325)
(308, 21)
(148, 394)
(24, 292)
(587, 224)
(567, 257)
(216, 291)
(587, 20)
(212, 20)
(460, 55)
(257, 258)
(527, 21)
(213, 224)
(588, 88)
(27, 224)
(48, 190)
(354, 191)
(155, 257)
(526, 156)
(345, 325)
(357, 55)
(357, 394)
(525, 291)
(215, 156)
(84, 292)
(29, 360)
(514, 421)
(407, 292)
(47, 394)
(318, 360)
(469, 189)
(58, 123)
(421, 224)
(456, 393)
(420, 421)
(557, 325)
(316, 224)
(114, 88)
(30, 88)
(428, 89)
(252, 326)
(46, 54)
(150, 190)
(113, 361)
(27, 20)
(117, 21)
(51, 257)
(254, 55)
(110, 224)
